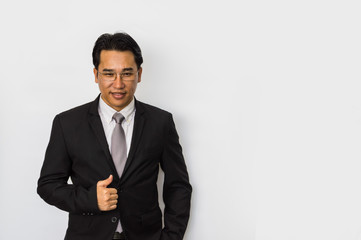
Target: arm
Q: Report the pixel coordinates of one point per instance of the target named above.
(53, 184)
(176, 189)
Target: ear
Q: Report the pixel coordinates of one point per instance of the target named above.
(140, 74)
(96, 75)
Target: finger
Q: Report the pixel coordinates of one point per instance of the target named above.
(113, 196)
(112, 207)
(108, 205)
(112, 190)
(106, 182)
(113, 202)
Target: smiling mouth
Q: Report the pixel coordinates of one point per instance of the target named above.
(118, 95)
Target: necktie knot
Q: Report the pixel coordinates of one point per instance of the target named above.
(118, 117)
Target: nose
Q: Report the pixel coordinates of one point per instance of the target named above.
(118, 82)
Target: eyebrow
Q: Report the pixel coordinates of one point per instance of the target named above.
(108, 70)
(124, 69)
(127, 69)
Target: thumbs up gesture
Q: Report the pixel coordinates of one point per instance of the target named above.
(107, 197)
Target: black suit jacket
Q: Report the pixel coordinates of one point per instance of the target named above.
(78, 149)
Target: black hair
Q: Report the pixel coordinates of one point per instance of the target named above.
(119, 42)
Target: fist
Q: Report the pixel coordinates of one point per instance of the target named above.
(107, 197)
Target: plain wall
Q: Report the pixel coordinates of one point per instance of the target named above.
(265, 96)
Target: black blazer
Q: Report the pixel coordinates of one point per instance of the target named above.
(78, 149)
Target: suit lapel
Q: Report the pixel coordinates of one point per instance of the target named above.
(139, 122)
(97, 127)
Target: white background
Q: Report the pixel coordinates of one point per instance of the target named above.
(265, 95)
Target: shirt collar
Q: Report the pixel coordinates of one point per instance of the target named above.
(107, 112)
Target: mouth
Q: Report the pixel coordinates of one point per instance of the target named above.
(118, 95)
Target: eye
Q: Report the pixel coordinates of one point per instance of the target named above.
(127, 74)
(108, 74)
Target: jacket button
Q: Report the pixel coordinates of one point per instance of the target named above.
(114, 219)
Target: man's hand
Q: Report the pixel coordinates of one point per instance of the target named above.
(107, 197)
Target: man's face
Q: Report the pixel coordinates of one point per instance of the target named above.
(118, 93)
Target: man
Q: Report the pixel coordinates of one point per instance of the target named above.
(111, 149)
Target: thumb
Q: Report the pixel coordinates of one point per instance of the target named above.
(106, 182)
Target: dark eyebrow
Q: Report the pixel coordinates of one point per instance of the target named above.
(127, 69)
(108, 70)
(124, 70)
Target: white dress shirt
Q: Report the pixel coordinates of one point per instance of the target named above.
(106, 115)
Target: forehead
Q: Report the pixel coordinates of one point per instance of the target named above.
(114, 59)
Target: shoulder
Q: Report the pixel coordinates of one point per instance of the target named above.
(151, 110)
(78, 114)
(76, 111)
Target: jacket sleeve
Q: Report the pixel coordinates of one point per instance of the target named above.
(176, 189)
(53, 184)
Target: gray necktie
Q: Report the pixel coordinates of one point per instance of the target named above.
(119, 146)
